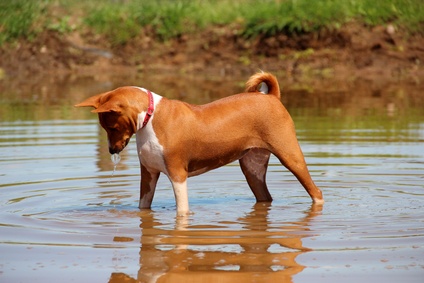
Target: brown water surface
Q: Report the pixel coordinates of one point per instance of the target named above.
(62, 220)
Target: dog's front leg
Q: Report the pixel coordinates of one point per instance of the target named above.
(181, 197)
(178, 174)
(147, 187)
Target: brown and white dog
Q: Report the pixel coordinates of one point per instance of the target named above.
(183, 140)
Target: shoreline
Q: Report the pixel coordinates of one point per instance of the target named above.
(354, 52)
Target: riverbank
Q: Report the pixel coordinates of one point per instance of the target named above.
(354, 50)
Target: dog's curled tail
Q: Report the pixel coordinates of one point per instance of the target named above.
(265, 83)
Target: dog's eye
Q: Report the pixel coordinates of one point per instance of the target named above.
(112, 129)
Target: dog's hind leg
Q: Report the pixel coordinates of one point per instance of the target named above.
(147, 187)
(288, 151)
(254, 166)
(296, 164)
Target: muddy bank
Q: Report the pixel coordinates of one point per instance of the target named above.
(381, 54)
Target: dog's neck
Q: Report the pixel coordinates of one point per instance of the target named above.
(150, 110)
(144, 117)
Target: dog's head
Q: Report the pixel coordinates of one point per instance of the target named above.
(117, 110)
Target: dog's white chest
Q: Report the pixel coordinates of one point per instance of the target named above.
(150, 151)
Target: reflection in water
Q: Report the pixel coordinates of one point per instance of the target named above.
(53, 97)
(207, 253)
(60, 219)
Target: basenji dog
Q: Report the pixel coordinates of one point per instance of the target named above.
(183, 140)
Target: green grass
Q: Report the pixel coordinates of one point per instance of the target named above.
(18, 18)
(406, 13)
(121, 20)
(114, 20)
(303, 16)
(170, 18)
(167, 18)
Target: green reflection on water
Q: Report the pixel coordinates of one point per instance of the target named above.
(370, 128)
(394, 113)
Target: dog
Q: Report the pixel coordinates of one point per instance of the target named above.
(183, 140)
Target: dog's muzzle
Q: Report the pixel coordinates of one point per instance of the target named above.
(119, 148)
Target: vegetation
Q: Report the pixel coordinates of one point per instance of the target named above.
(18, 18)
(120, 20)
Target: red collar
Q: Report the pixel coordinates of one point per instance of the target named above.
(150, 110)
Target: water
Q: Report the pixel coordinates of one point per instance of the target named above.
(115, 158)
(61, 219)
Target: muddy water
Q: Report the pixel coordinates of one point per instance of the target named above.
(63, 218)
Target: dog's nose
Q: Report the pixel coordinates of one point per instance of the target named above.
(113, 150)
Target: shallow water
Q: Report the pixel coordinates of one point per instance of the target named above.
(63, 217)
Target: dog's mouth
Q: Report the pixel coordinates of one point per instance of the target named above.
(118, 148)
(114, 150)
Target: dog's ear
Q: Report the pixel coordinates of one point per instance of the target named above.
(93, 101)
(108, 107)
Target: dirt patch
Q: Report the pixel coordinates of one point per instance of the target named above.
(354, 51)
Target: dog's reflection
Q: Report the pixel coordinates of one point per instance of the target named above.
(261, 250)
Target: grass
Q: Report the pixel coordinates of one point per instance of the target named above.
(18, 19)
(121, 20)
(303, 16)
(169, 19)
